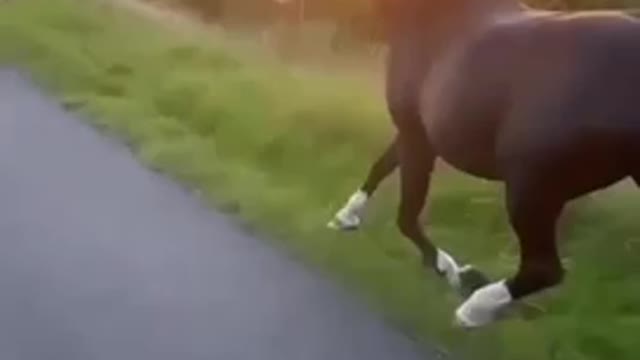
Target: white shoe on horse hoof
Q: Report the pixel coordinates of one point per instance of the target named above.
(344, 222)
(484, 306)
(349, 217)
(449, 268)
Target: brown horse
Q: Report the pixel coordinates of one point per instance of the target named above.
(541, 101)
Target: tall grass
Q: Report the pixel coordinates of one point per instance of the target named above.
(283, 149)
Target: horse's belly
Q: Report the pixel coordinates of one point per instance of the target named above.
(472, 153)
(462, 129)
(462, 104)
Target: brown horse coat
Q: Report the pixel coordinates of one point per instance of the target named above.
(553, 88)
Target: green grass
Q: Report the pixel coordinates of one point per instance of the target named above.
(283, 149)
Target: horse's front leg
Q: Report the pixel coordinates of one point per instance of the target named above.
(349, 217)
(534, 209)
(416, 159)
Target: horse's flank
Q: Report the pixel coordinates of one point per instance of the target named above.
(506, 61)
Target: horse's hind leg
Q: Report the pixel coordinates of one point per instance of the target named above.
(349, 217)
(533, 213)
(534, 216)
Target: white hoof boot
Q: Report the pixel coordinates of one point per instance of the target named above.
(349, 217)
(484, 306)
(449, 268)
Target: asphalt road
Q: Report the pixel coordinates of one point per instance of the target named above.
(103, 259)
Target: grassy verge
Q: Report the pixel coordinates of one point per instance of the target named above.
(283, 149)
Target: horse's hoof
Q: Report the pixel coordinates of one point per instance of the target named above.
(484, 307)
(344, 223)
(460, 321)
(447, 267)
(349, 217)
(471, 279)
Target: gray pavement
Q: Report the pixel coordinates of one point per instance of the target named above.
(101, 259)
